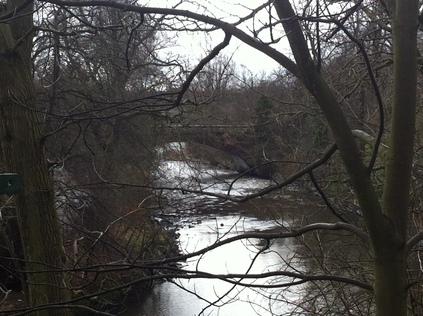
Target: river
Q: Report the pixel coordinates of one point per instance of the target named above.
(202, 221)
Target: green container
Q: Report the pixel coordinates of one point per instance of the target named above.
(9, 183)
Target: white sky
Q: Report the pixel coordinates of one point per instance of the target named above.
(193, 46)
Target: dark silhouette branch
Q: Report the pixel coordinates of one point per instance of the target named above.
(215, 51)
(414, 240)
(325, 198)
(322, 160)
(226, 27)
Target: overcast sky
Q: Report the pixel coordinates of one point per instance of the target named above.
(193, 46)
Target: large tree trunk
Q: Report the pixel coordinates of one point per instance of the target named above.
(390, 259)
(23, 150)
(390, 286)
(387, 221)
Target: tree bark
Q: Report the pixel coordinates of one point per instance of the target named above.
(390, 284)
(23, 149)
(390, 257)
(387, 221)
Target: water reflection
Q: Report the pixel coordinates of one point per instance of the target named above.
(216, 297)
(201, 223)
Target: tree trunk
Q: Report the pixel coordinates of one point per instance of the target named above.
(390, 263)
(387, 221)
(390, 284)
(23, 150)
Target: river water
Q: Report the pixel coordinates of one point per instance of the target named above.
(202, 221)
(214, 297)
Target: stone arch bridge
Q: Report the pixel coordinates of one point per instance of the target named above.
(238, 141)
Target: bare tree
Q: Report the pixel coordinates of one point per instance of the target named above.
(312, 33)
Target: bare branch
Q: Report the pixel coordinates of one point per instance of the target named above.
(215, 51)
(226, 27)
(266, 236)
(325, 157)
(414, 240)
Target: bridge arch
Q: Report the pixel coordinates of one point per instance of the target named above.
(236, 141)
